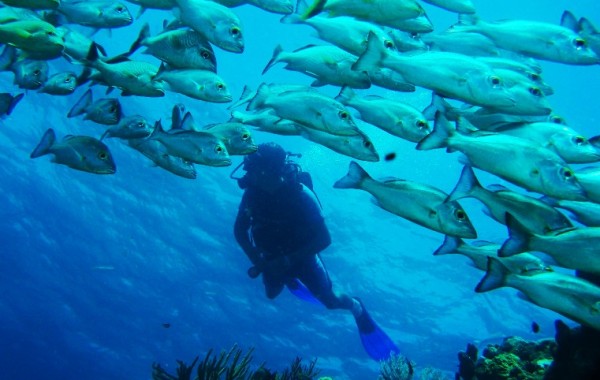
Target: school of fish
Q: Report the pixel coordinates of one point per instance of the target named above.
(489, 102)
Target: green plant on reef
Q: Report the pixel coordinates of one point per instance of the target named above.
(233, 365)
(397, 367)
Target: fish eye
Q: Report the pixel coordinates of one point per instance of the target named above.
(51, 33)
(421, 124)
(68, 80)
(245, 136)
(102, 155)
(579, 140)
(344, 115)
(119, 9)
(495, 81)
(220, 86)
(535, 91)
(557, 119)
(235, 31)
(141, 124)
(205, 55)
(388, 44)
(567, 173)
(579, 43)
(218, 149)
(367, 144)
(112, 109)
(460, 215)
(535, 77)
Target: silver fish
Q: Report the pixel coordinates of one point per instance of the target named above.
(420, 203)
(180, 49)
(105, 111)
(567, 295)
(327, 64)
(309, 108)
(576, 248)
(479, 252)
(536, 215)
(77, 152)
(535, 39)
(397, 118)
(358, 146)
(519, 161)
(129, 127)
(202, 148)
(217, 23)
(197, 84)
(159, 154)
(60, 84)
(96, 13)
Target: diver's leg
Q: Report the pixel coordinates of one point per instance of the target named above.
(313, 274)
(273, 285)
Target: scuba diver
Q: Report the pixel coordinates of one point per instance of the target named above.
(281, 229)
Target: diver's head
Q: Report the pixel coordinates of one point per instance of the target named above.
(265, 167)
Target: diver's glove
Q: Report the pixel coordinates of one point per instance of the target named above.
(275, 267)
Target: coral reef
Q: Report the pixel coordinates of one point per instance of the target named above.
(575, 354)
(515, 358)
(233, 365)
(398, 367)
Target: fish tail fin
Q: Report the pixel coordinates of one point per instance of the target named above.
(356, 175)
(45, 144)
(84, 77)
(176, 116)
(449, 246)
(313, 9)
(518, 240)
(244, 98)
(259, 99)
(81, 105)
(144, 34)
(13, 102)
(467, 183)
(188, 123)
(495, 276)
(438, 103)
(106, 132)
(438, 138)
(8, 57)
(345, 96)
(274, 58)
(373, 55)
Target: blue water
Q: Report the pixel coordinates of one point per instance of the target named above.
(91, 267)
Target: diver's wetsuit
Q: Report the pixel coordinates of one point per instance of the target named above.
(287, 223)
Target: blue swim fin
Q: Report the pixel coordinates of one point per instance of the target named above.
(301, 291)
(376, 342)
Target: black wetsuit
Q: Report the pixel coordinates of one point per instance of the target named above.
(281, 224)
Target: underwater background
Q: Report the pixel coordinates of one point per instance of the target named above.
(92, 268)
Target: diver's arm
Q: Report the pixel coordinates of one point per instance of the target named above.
(240, 231)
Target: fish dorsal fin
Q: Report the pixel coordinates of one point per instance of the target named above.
(568, 20)
(305, 47)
